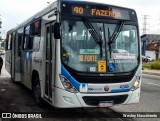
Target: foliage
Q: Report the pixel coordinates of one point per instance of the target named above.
(155, 65)
(146, 65)
(2, 44)
(151, 65)
(1, 48)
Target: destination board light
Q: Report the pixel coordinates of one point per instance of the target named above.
(97, 12)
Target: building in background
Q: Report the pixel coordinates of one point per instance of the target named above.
(151, 45)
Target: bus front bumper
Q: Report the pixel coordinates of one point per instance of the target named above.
(65, 99)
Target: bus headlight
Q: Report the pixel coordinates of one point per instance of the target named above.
(136, 85)
(67, 85)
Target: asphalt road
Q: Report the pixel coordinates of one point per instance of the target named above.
(16, 98)
(149, 100)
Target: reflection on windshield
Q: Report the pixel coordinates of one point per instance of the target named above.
(112, 38)
(81, 52)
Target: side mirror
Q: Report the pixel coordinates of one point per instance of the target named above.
(56, 30)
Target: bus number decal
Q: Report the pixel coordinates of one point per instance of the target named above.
(78, 10)
(125, 86)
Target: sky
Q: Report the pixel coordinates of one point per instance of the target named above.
(13, 12)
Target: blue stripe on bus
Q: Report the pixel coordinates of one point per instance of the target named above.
(74, 82)
(120, 90)
(64, 72)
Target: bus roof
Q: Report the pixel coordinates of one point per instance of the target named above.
(52, 6)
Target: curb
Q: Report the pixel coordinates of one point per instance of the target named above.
(151, 73)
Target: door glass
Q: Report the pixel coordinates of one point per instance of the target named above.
(48, 78)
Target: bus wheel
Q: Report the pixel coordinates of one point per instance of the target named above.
(37, 92)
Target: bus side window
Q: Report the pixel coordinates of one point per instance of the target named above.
(20, 40)
(35, 29)
(31, 31)
(26, 37)
(36, 43)
(35, 32)
(9, 42)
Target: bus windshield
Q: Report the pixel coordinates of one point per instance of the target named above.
(81, 52)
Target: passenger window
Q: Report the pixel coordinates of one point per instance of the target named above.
(9, 42)
(32, 31)
(27, 37)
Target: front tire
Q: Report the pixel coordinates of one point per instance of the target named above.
(37, 92)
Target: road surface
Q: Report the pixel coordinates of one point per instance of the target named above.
(149, 100)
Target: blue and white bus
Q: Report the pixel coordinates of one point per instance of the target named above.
(78, 54)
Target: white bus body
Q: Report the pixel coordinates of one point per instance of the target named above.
(33, 58)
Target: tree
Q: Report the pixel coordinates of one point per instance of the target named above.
(2, 44)
(0, 38)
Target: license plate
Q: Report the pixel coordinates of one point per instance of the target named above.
(106, 104)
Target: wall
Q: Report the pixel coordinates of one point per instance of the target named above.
(151, 54)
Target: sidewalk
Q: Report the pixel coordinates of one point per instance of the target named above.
(4, 73)
(151, 72)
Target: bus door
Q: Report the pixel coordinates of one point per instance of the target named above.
(15, 69)
(16, 58)
(49, 64)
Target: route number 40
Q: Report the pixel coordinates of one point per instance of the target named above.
(78, 10)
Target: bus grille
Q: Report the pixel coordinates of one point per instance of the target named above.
(94, 100)
(114, 79)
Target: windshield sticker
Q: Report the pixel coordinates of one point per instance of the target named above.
(83, 87)
(123, 61)
(92, 69)
(101, 66)
(89, 51)
(88, 58)
(111, 67)
(124, 56)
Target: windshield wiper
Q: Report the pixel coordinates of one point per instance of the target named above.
(112, 39)
(93, 33)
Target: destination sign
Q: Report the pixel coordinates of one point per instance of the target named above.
(97, 10)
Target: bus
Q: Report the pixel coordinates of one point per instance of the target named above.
(77, 54)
